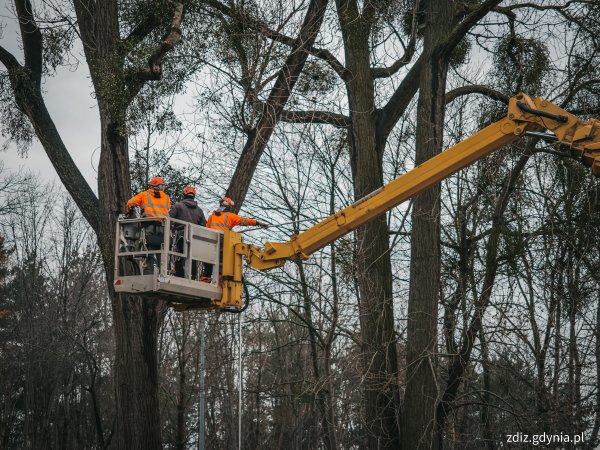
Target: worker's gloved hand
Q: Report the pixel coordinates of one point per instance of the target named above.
(262, 224)
(128, 210)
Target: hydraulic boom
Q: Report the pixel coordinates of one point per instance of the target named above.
(525, 116)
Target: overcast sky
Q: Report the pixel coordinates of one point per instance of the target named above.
(68, 98)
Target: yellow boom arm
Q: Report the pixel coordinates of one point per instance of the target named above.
(524, 114)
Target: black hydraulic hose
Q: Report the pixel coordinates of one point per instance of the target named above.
(246, 295)
(559, 118)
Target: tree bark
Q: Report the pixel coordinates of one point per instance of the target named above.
(378, 346)
(137, 319)
(421, 385)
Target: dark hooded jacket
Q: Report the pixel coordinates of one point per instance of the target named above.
(188, 211)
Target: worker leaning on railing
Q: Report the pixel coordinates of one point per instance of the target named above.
(152, 203)
(225, 219)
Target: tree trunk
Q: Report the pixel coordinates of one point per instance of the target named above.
(378, 350)
(421, 388)
(137, 323)
(278, 97)
(137, 319)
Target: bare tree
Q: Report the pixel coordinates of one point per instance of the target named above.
(57, 337)
(110, 44)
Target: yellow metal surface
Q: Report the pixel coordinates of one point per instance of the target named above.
(581, 136)
(230, 279)
(231, 273)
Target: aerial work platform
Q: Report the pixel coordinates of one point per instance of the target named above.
(165, 258)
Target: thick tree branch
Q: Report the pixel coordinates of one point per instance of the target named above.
(141, 30)
(501, 97)
(463, 27)
(314, 116)
(396, 106)
(328, 57)
(540, 7)
(409, 51)
(30, 102)
(28, 97)
(135, 79)
(384, 72)
(32, 39)
(154, 70)
(399, 101)
(323, 117)
(278, 97)
(476, 89)
(320, 53)
(7, 58)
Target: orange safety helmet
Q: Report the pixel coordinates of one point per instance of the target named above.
(156, 181)
(226, 201)
(189, 190)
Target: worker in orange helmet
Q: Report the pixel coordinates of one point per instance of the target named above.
(186, 210)
(152, 203)
(225, 219)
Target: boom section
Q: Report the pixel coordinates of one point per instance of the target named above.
(525, 116)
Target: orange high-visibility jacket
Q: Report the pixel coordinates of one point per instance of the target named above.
(227, 220)
(151, 205)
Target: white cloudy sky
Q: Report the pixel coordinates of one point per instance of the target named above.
(73, 109)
